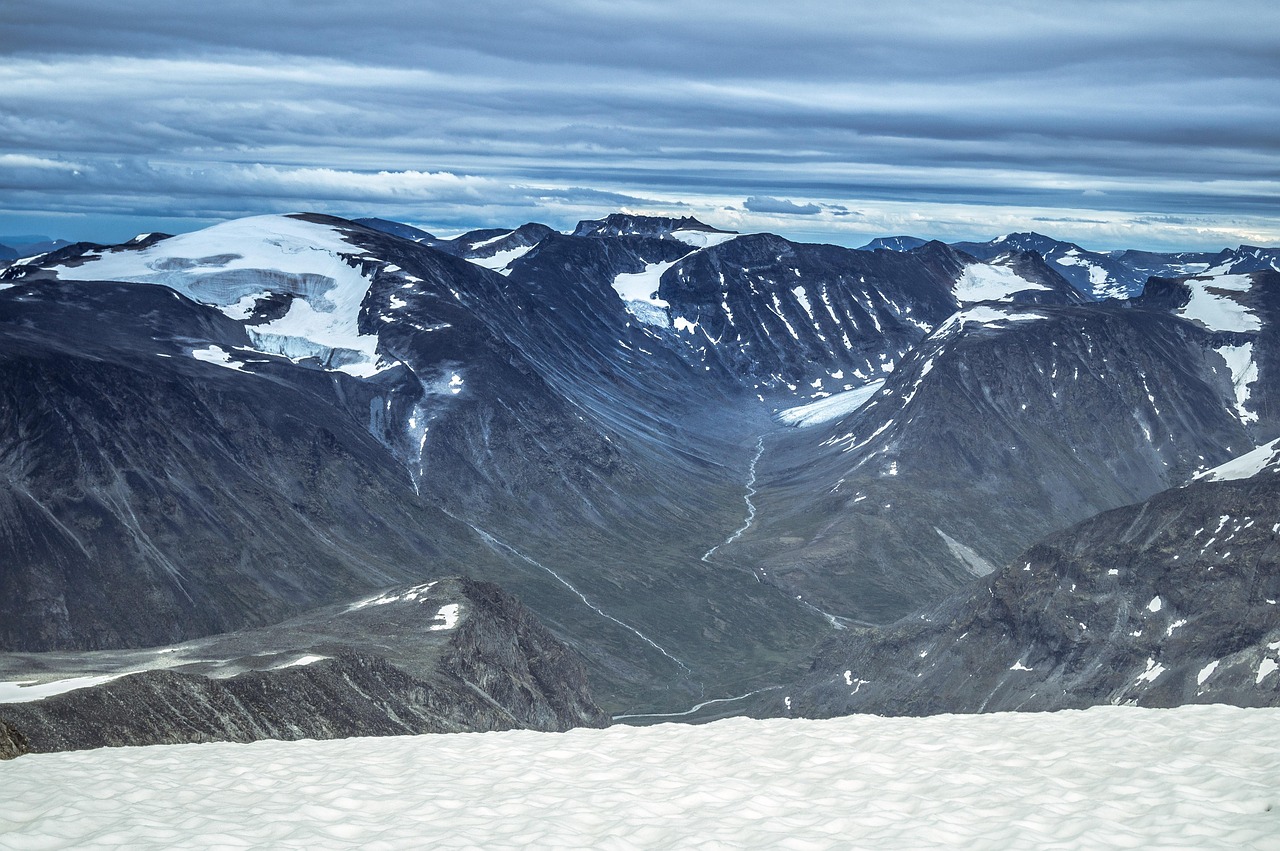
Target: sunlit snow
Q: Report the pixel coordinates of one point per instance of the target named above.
(1098, 277)
(1108, 777)
(225, 264)
(639, 292)
(833, 407)
(218, 356)
(1212, 307)
(446, 618)
(702, 238)
(991, 282)
(1244, 372)
(24, 691)
(1265, 457)
(500, 261)
(410, 595)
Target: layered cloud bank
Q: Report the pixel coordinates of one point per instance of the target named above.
(1109, 125)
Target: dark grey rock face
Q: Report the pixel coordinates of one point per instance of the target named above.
(1171, 601)
(12, 743)
(496, 668)
(991, 435)
(623, 224)
(778, 315)
(619, 475)
(893, 243)
(153, 499)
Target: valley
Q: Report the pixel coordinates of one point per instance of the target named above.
(728, 472)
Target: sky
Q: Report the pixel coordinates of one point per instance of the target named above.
(1111, 123)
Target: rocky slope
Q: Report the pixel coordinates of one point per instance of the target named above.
(1007, 423)
(1167, 602)
(451, 656)
(222, 430)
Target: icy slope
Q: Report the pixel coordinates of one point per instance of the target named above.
(237, 264)
(1110, 777)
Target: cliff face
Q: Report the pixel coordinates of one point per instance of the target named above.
(1167, 602)
(477, 660)
(12, 743)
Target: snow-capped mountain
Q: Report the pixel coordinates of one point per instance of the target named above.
(1093, 274)
(1007, 422)
(1240, 312)
(692, 453)
(1244, 259)
(523, 427)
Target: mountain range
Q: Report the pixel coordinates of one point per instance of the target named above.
(721, 470)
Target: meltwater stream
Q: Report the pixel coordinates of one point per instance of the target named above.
(751, 506)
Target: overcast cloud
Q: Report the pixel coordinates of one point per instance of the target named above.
(1141, 124)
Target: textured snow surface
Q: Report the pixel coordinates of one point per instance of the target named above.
(1265, 457)
(1108, 777)
(1215, 309)
(831, 408)
(990, 282)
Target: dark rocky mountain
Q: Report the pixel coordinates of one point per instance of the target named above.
(27, 245)
(1244, 259)
(396, 229)
(495, 248)
(450, 656)
(222, 431)
(1241, 313)
(894, 243)
(625, 224)
(1006, 423)
(1095, 275)
(1167, 602)
(238, 462)
(1153, 264)
(781, 316)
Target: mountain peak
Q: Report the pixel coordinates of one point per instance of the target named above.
(627, 224)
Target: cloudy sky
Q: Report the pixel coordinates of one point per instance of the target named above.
(1145, 124)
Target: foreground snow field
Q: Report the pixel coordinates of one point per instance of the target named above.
(1194, 777)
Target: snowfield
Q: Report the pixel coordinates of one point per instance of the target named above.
(1109, 777)
(277, 254)
(991, 282)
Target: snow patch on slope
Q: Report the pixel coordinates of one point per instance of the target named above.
(991, 282)
(1244, 372)
(502, 260)
(1212, 306)
(1248, 465)
(639, 292)
(985, 316)
(25, 691)
(702, 238)
(833, 407)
